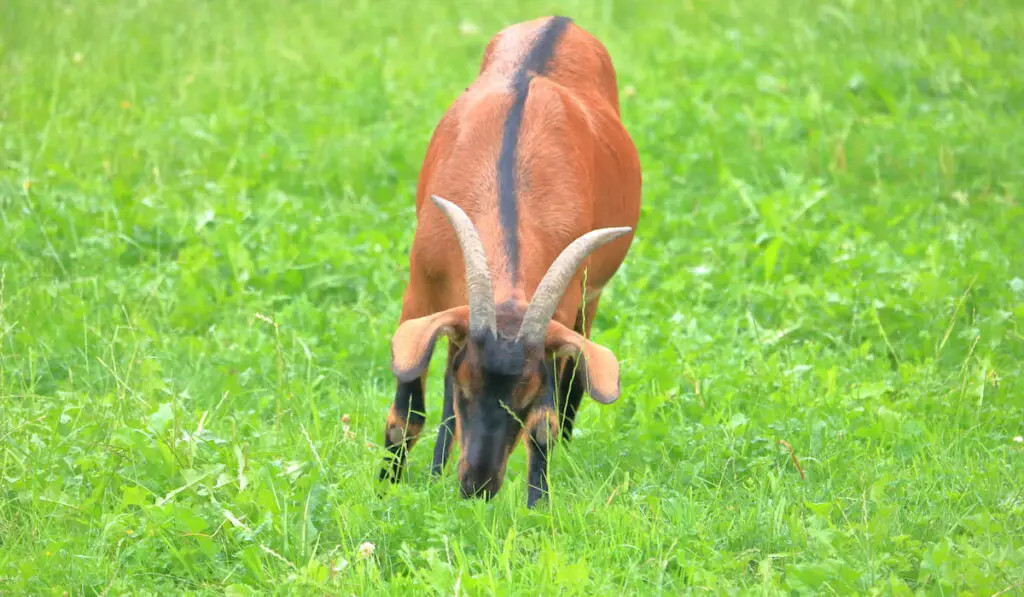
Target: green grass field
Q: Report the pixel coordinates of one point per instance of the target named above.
(206, 209)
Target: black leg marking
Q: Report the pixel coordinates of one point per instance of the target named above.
(446, 432)
(570, 393)
(405, 422)
(538, 465)
(540, 438)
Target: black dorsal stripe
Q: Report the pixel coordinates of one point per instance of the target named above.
(535, 63)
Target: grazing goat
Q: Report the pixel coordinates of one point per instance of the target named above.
(530, 175)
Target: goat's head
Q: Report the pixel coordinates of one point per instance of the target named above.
(498, 372)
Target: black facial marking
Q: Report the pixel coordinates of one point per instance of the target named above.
(535, 63)
(499, 355)
(489, 418)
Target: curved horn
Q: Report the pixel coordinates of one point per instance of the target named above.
(478, 275)
(549, 292)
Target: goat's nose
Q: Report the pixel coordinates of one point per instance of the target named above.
(477, 483)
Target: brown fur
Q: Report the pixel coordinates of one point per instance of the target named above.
(580, 172)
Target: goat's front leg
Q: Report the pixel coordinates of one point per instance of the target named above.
(405, 422)
(446, 431)
(541, 434)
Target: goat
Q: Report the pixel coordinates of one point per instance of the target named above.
(531, 175)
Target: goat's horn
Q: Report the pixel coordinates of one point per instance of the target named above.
(478, 274)
(549, 292)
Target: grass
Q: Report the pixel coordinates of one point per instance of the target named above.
(206, 209)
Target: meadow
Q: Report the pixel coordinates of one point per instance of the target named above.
(205, 215)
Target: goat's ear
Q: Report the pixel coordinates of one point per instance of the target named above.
(413, 342)
(600, 366)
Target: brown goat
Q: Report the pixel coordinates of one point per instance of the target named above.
(530, 176)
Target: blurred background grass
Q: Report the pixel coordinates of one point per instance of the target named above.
(206, 209)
